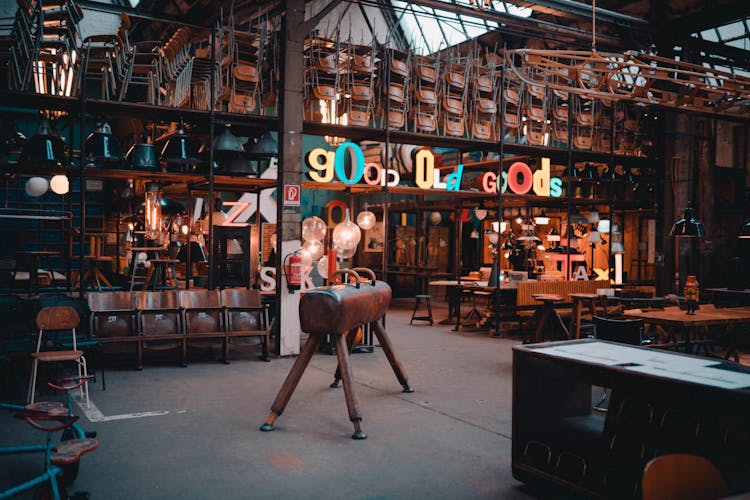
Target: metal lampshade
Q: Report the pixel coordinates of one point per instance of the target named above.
(262, 150)
(745, 232)
(688, 226)
(45, 148)
(196, 253)
(11, 142)
(179, 153)
(230, 155)
(102, 148)
(142, 156)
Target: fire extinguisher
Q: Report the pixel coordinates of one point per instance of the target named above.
(293, 271)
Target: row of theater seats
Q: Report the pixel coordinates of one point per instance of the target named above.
(171, 319)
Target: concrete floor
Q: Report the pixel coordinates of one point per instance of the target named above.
(451, 438)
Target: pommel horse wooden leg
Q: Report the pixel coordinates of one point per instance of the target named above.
(352, 401)
(350, 338)
(385, 343)
(287, 388)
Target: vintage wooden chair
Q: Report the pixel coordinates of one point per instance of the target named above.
(159, 322)
(56, 318)
(682, 476)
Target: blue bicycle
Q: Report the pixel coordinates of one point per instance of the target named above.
(61, 458)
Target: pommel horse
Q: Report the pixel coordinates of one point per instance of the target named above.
(336, 310)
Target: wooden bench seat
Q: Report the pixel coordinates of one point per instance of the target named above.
(168, 319)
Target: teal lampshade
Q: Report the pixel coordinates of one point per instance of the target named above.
(142, 156)
(229, 154)
(262, 150)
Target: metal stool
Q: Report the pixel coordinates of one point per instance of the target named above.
(418, 300)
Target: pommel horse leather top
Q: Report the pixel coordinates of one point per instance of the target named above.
(339, 311)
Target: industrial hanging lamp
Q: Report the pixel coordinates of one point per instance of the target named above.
(688, 226)
(45, 148)
(142, 156)
(261, 151)
(179, 153)
(102, 148)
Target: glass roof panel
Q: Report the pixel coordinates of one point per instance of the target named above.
(431, 29)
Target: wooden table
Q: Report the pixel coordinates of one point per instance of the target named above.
(730, 298)
(671, 401)
(546, 316)
(33, 259)
(580, 300)
(676, 321)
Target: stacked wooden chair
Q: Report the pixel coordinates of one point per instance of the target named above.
(485, 89)
(247, 55)
(512, 92)
(358, 84)
(424, 105)
(323, 70)
(453, 92)
(394, 83)
(47, 37)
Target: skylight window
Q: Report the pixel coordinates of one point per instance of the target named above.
(431, 29)
(735, 34)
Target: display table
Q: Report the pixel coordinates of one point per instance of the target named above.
(686, 329)
(661, 402)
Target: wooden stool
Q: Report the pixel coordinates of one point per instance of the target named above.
(580, 300)
(548, 317)
(418, 300)
(158, 272)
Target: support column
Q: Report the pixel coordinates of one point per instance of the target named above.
(290, 170)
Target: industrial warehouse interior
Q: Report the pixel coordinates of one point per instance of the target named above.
(374, 249)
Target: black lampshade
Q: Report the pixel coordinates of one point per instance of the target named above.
(688, 226)
(11, 142)
(590, 172)
(45, 148)
(102, 148)
(142, 156)
(745, 232)
(179, 153)
(196, 253)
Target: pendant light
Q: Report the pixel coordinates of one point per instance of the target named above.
(541, 219)
(262, 150)
(142, 156)
(102, 148)
(366, 219)
(152, 211)
(179, 153)
(229, 154)
(745, 231)
(45, 148)
(688, 226)
(11, 142)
